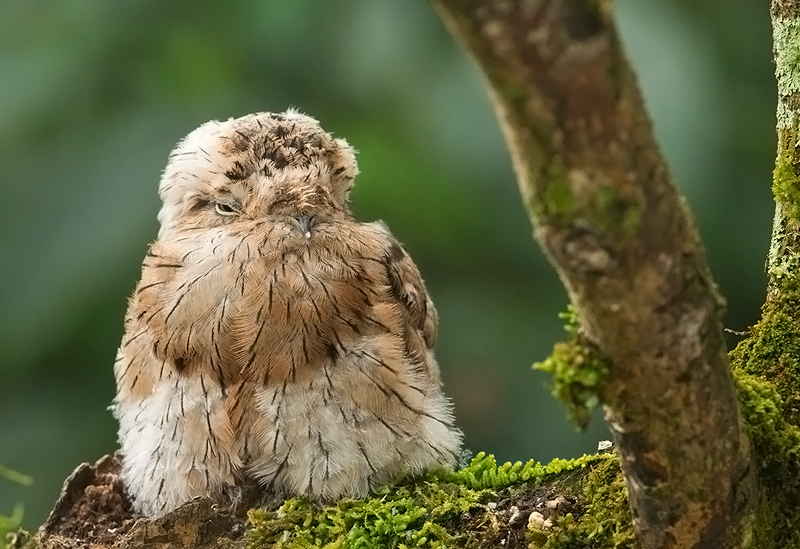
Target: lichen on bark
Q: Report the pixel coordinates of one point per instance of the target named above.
(783, 252)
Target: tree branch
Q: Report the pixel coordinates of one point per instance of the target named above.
(483, 505)
(785, 244)
(614, 226)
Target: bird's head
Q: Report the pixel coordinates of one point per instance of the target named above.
(259, 165)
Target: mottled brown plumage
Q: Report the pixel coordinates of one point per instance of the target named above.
(272, 336)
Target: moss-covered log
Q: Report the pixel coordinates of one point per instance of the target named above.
(559, 505)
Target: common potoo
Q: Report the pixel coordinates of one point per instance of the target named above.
(272, 336)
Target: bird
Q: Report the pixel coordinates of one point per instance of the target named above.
(272, 337)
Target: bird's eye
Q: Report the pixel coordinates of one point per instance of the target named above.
(224, 209)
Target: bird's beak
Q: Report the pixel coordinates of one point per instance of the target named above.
(304, 224)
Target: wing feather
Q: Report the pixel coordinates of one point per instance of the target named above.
(409, 289)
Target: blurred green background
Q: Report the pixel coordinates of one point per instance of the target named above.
(93, 95)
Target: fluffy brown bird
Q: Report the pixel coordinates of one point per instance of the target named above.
(272, 336)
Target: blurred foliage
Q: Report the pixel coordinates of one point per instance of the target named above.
(12, 522)
(94, 94)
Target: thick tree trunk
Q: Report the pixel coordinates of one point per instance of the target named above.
(616, 229)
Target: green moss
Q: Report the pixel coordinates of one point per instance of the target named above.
(772, 351)
(614, 214)
(785, 184)
(776, 449)
(552, 199)
(785, 180)
(578, 371)
(767, 372)
(447, 509)
(558, 199)
(606, 522)
(631, 220)
(514, 93)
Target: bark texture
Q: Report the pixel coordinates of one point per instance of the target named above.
(613, 224)
(771, 352)
(785, 243)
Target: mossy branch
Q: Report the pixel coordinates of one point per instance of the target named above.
(767, 361)
(785, 244)
(616, 229)
(521, 505)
